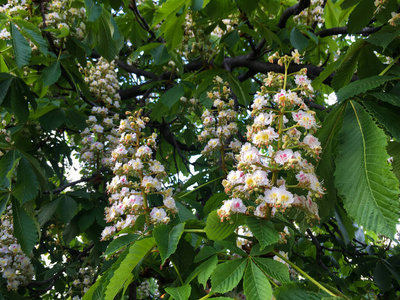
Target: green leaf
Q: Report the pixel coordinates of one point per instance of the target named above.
(363, 178)
(32, 33)
(256, 285)
(298, 40)
(386, 115)
(382, 276)
(26, 188)
(362, 86)
(167, 239)
(220, 8)
(67, 208)
(327, 136)
(217, 230)
(4, 202)
(106, 46)
(51, 73)
(273, 268)
(294, 291)
(120, 242)
(331, 12)
(172, 96)
(4, 86)
(136, 253)
(173, 31)
(345, 72)
(360, 16)
(393, 150)
(93, 10)
(227, 276)
(204, 253)
(387, 97)
(167, 10)
(19, 104)
(263, 230)
(21, 47)
(180, 292)
(47, 211)
(53, 119)
(237, 89)
(206, 269)
(24, 228)
(6, 167)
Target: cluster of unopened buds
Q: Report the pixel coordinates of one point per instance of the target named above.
(15, 266)
(148, 289)
(136, 176)
(279, 140)
(82, 282)
(220, 123)
(99, 138)
(102, 80)
(61, 15)
(311, 14)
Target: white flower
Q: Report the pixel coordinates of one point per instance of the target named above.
(311, 141)
(283, 156)
(158, 215)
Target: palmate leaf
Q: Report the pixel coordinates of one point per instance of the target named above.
(167, 239)
(255, 284)
(363, 177)
(273, 268)
(136, 253)
(227, 276)
(294, 291)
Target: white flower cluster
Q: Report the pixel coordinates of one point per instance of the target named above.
(15, 266)
(280, 139)
(12, 8)
(311, 14)
(137, 175)
(102, 80)
(148, 289)
(241, 242)
(82, 283)
(99, 138)
(219, 122)
(61, 14)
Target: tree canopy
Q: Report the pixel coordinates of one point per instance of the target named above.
(194, 149)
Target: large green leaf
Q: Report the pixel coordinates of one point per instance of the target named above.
(51, 73)
(168, 10)
(217, 230)
(386, 115)
(360, 16)
(173, 31)
(66, 208)
(387, 97)
(369, 189)
(106, 45)
(24, 228)
(21, 47)
(227, 276)
(26, 188)
(180, 292)
(298, 40)
(263, 230)
(167, 239)
(273, 268)
(19, 104)
(256, 285)
(327, 135)
(362, 86)
(237, 89)
(93, 10)
(120, 242)
(136, 253)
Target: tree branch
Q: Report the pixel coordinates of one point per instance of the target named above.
(343, 30)
(293, 10)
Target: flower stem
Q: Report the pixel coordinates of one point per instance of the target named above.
(304, 274)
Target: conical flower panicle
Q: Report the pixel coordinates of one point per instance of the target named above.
(136, 176)
(280, 142)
